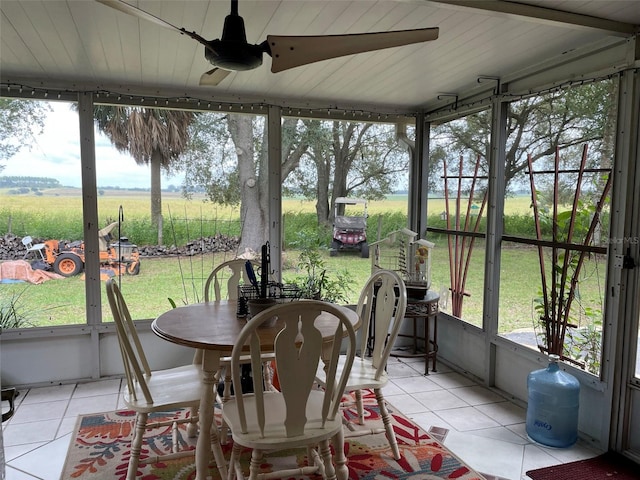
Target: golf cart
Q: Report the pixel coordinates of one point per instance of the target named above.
(350, 226)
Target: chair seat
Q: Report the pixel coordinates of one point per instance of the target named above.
(361, 376)
(276, 437)
(162, 385)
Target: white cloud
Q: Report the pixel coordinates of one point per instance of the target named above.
(56, 154)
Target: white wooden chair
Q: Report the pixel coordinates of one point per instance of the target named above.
(383, 298)
(300, 415)
(151, 391)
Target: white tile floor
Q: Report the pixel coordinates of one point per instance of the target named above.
(485, 430)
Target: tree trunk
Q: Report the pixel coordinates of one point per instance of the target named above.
(343, 160)
(323, 169)
(254, 199)
(347, 143)
(156, 191)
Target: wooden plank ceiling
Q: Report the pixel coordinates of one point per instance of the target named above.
(88, 45)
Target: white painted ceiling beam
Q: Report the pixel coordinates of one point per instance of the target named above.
(546, 15)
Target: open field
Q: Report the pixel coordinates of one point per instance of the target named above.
(137, 203)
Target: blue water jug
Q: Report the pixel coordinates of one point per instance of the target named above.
(552, 410)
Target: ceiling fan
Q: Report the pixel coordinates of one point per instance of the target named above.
(233, 53)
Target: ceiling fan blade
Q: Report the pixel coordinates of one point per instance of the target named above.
(136, 12)
(214, 77)
(293, 51)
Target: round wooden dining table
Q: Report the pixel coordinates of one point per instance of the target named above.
(213, 327)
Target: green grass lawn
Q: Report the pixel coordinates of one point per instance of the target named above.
(62, 302)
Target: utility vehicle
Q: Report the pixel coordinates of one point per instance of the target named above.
(350, 226)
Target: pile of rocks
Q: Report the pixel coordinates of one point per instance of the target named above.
(11, 247)
(217, 243)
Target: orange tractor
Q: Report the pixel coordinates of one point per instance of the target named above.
(116, 258)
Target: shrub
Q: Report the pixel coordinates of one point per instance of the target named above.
(316, 283)
(520, 225)
(14, 313)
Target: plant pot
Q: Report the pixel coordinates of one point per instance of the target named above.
(257, 305)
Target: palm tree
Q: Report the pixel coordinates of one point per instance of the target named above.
(152, 136)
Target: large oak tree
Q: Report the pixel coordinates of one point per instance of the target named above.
(228, 159)
(321, 160)
(349, 159)
(562, 119)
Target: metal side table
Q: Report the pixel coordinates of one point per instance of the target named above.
(426, 309)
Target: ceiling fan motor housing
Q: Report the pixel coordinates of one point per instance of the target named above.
(232, 52)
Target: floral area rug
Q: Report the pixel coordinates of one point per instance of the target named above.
(100, 450)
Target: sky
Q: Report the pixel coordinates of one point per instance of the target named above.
(56, 154)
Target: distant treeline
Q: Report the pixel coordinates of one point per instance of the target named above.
(29, 182)
(170, 188)
(32, 184)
